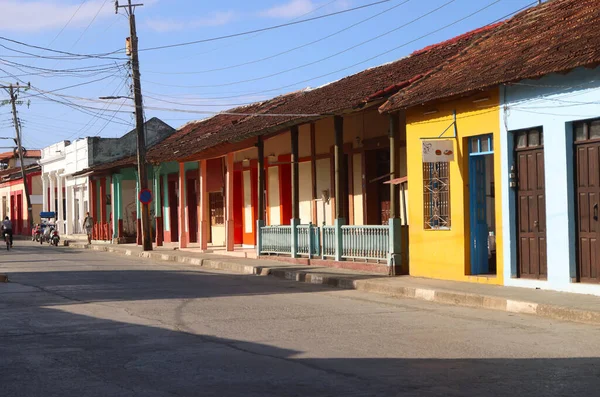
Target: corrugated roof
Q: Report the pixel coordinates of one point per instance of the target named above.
(556, 36)
(371, 85)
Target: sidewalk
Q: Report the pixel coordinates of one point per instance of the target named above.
(549, 304)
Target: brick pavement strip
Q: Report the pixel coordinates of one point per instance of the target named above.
(403, 287)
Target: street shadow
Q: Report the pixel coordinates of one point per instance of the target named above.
(64, 333)
(59, 352)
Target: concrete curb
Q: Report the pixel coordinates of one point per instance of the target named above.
(376, 286)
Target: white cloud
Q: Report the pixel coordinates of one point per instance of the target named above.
(218, 18)
(44, 15)
(292, 9)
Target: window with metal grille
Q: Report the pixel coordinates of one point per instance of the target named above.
(436, 196)
(217, 210)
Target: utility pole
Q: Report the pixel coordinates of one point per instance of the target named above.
(139, 123)
(13, 102)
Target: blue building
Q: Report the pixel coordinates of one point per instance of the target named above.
(551, 189)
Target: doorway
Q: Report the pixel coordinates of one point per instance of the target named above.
(173, 186)
(192, 204)
(482, 204)
(377, 171)
(531, 204)
(587, 186)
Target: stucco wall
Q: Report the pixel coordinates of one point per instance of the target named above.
(553, 103)
(445, 254)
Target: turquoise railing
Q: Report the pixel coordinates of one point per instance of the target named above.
(309, 240)
(276, 239)
(369, 242)
(329, 241)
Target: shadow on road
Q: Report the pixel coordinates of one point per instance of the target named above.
(53, 345)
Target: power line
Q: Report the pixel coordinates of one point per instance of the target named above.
(68, 22)
(103, 55)
(335, 54)
(347, 67)
(90, 24)
(289, 50)
(265, 29)
(256, 35)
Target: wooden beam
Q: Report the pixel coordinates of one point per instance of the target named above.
(295, 174)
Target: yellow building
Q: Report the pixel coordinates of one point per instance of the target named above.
(453, 163)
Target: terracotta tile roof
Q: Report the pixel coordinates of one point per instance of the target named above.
(556, 36)
(108, 168)
(196, 135)
(352, 92)
(12, 174)
(37, 154)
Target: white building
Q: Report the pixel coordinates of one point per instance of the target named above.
(53, 164)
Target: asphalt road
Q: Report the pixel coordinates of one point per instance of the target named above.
(76, 323)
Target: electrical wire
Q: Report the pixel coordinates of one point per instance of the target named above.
(71, 54)
(334, 54)
(289, 50)
(89, 25)
(344, 68)
(265, 29)
(68, 22)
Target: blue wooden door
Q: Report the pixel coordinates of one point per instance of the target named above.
(478, 214)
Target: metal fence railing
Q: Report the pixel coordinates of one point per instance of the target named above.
(369, 242)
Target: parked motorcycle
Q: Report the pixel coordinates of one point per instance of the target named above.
(55, 239)
(36, 233)
(46, 236)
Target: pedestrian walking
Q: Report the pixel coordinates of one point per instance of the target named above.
(88, 224)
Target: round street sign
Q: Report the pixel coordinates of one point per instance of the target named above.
(145, 196)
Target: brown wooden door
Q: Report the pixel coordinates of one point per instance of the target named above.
(531, 212)
(588, 192)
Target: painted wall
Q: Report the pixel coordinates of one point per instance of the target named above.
(445, 254)
(7, 188)
(552, 102)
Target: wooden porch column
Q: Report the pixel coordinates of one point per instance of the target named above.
(395, 257)
(229, 227)
(183, 221)
(92, 201)
(295, 221)
(116, 206)
(340, 183)
(203, 224)
(260, 220)
(158, 207)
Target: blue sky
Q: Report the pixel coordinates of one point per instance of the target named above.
(204, 77)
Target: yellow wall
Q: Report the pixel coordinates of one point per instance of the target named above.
(445, 254)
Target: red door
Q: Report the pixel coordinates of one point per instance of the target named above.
(18, 221)
(192, 204)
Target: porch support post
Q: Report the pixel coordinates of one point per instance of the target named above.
(52, 206)
(203, 206)
(340, 185)
(260, 220)
(395, 254)
(45, 192)
(158, 206)
(138, 211)
(295, 221)
(59, 210)
(183, 221)
(69, 213)
(229, 227)
(117, 205)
